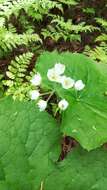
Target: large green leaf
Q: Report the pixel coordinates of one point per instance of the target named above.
(81, 170)
(29, 152)
(86, 117)
(28, 145)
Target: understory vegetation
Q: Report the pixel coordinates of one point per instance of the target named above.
(53, 95)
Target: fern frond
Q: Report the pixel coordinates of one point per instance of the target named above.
(17, 84)
(98, 54)
(13, 7)
(2, 22)
(32, 7)
(101, 38)
(66, 29)
(9, 40)
(68, 2)
(18, 67)
(89, 10)
(57, 35)
(102, 22)
(69, 26)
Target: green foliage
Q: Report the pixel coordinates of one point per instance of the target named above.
(69, 2)
(88, 10)
(33, 8)
(80, 170)
(29, 150)
(13, 7)
(9, 37)
(59, 21)
(1, 86)
(102, 38)
(57, 34)
(30, 141)
(29, 145)
(10, 40)
(17, 83)
(99, 53)
(66, 29)
(56, 28)
(102, 22)
(85, 118)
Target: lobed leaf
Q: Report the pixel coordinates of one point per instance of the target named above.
(86, 118)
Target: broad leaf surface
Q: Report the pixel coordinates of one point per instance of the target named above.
(81, 170)
(29, 152)
(86, 117)
(29, 145)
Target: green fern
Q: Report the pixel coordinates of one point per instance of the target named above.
(43, 7)
(17, 84)
(98, 54)
(89, 10)
(10, 39)
(33, 8)
(2, 22)
(66, 30)
(69, 26)
(28, 14)
(102, 38)
(13, 7)
(59, 34)
(68, 2)
(102, 22)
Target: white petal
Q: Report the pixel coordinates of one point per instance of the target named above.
(53, 76)
(36, 80)
(79, 85)
(67, 82)
(63, 104)
(42, 105)
(34, 94)
(59, 68)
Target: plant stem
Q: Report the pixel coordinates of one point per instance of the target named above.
(45, 93)
(57, 109)
(50, 96)
(41, 187)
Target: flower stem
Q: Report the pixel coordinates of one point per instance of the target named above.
(57, 109)
(41, 187)
(50, 96)
(76, 94)
(46, 93)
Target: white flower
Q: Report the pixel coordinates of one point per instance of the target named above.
(42, 105)
(59, 68)
(79, 85)
(34, 94)
(67, 82)
(36, 80)
(53, 76)
(63, 104)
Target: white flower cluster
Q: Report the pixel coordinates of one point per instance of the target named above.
(35, 94)
(55, 74)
